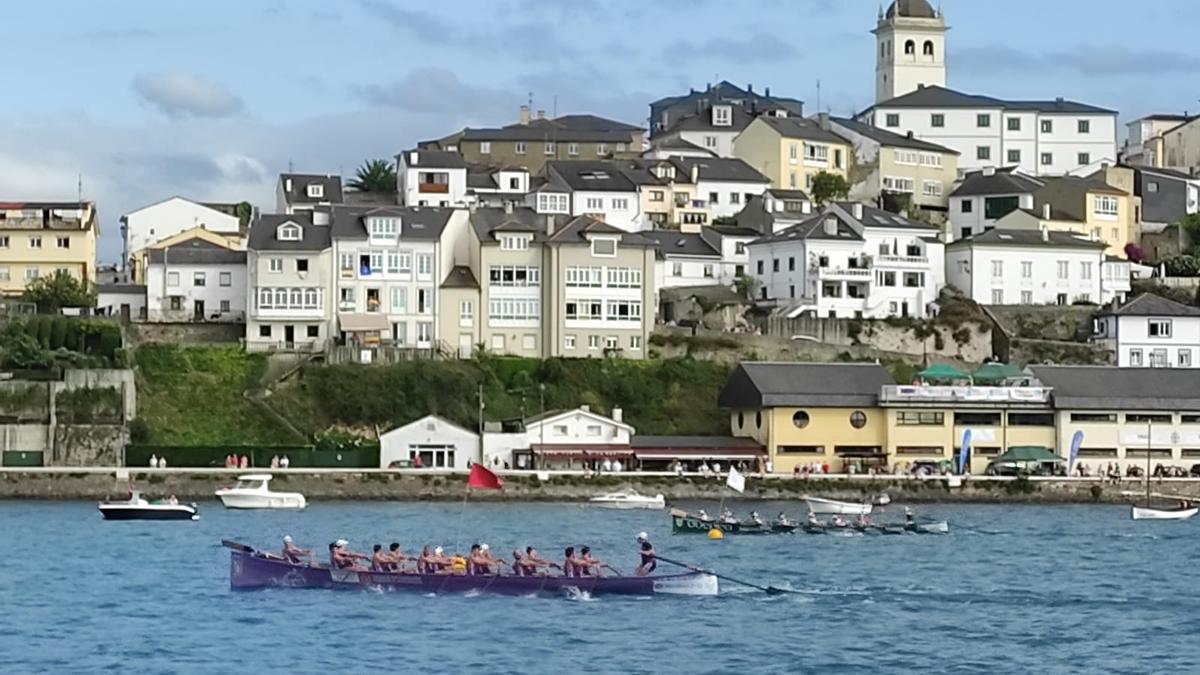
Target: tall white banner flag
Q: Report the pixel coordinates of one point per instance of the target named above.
(736, 480)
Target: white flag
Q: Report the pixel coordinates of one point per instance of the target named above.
(736, 480)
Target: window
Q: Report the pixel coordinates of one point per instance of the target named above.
(275, 264)
(573, 149)
(816, 153)
(774, 264)
(1085, 270)
(1135, 358)
(931, 188)
(595, 204)
(514, 309)
(198, 279)
(302, 265)
(548, 149)
(983, 419)
(710, 141)
(937, 120)
(760, 267)
(568, 342)
(622, 277)
(1026, 269)
(387, 228)
(485, 147)
(1014, 156)
(983, 152)
(264, 331)
(997, 269)
(63, 242)
(996, 207)
(1026, 297)
(601, 149)
(551, 203)
(983, 120)
(4, 241)
(1093, 417)
(892, 120)
(1014, 123)
(226, 279)
(424, 300)
(620, 204)
(172, 279)
(635, 342)
(620, 147)
(965, 206)
(424, 266)
(593, 342)
(5, 274)
(791, 263)
(1063, 269)
(794, 151)
(1083, 158)
(735, 198)
(520, 148)
(316, 191)
(907, 157)
(604, 247)
(1030, 419)
(997, 296)
(1047, 158)
(708, 271)
(898, 184)
(35, 242)
(1105, 205)
(800, 419)
(1147, 418)
(920, 418)
(1160, 328)
(858, 419)
(1047, 126)
(611, 342)
(910, 47)
(399, 297)
(657, 195)
(1085, 126)
(713, 198)
(624, 310)
(722, 115)
(1185, 358)
(313, 331)
(224, 306)
(528, 342)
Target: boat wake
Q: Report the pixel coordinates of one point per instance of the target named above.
(576, 595)
(473, 593)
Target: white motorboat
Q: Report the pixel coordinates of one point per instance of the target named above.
(251, 492)
(628, 500)
(834, 507)
(1151, 513)
(137, 507)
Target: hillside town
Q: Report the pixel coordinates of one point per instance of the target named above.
(1049, 270)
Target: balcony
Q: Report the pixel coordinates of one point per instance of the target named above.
(433, 188)
(930, 394)
(847, 273)
(901, 261)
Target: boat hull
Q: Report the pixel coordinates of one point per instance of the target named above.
(649, 504)
(1148, 513)
(280, 500)
(148, 512)
(830, 507)
(682, 524)
(253, 570)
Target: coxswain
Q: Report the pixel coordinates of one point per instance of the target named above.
(588, 566)
(380, 560)
(570, 566)
(292, 553)
(649, 564)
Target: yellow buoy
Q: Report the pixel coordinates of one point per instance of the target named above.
(716, 533)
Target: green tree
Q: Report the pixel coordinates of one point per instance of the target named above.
(59, 290)
(375, 175)
(827, 187)
(245, 211)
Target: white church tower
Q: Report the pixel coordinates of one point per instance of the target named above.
(910, 48)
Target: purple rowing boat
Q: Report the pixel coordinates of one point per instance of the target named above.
(250, 569)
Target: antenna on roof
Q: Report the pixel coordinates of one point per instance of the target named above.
(818, 95)
(290, 169)
(79, 187)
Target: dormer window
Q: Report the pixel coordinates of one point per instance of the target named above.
(383, 227)
(722, 115)
(316, 191)
(288, 232)
(604, 247)
(551, 202)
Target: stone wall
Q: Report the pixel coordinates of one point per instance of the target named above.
(36, 426)
(185, 333)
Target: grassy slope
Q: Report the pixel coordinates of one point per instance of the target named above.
(193, 396)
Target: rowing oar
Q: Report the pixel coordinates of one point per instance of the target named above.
(613, 569)
(769, 590)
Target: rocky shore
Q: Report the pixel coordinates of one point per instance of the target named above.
(426, 485)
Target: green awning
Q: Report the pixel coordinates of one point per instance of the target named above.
(1028, 453)
(996, 372)
(943, 371)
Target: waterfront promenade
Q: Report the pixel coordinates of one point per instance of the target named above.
(440, 484)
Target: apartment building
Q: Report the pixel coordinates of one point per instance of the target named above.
(40, 239)
(297, 192)
(195, 280)
(1152, 331)
(1145, 143)
(1086, 206)
(985, 196)
(166, 219)
(1028, 267)
(790, 151)
(601, 190)
(289, 271)
(697, 113)
(431, 178)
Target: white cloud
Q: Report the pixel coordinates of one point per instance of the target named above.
(180, 95)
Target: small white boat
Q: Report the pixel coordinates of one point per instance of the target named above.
(137, 508)
(882, 499)
(1151, 513)
(834, 507)
(628, 500)
(929, 527)
(251, 492)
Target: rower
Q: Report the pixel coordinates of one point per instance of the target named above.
(862, 520)
(395, 557)
(588, 566)
(486, 563)
(727, 516)
(380, 561)
(909, 519)
(782, 519)
(754, 519)
(427, 563)
(812, 520)
(838, 521)
(703, 515)
(649, 564)
(475, 560)
(570, 566)
(292, 553)
(534, 562)
(342, 557)
(519, 567)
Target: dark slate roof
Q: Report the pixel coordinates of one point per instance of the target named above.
(1002, 237)
(481, 178)
(702, 121)
(814, 228)
(433, 159)
(1088, 183)
(486, 221)
(536, 134)
(416, 222)
(798, 127)
(889, 139)
(668, 442)
(1113, 388)
(726, 91)
(914, 9)
(875, 217)
(576, 232)
(54, 206)
(728, 169)
(674, 242)
(197, 252)
(584, 122)
(1002, 181)
(1170, 173)
(591, 176)
(460, 276)
(764, 385)
(262, 233)
(932, 96)
(677, 143)
(300, 182)
(1149, 304)
(120, 288)
(788, 195)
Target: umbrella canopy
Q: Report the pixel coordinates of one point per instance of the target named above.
(943, 371)
(1028, 453)
(996, 372)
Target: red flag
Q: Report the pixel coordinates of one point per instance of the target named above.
(482, 478)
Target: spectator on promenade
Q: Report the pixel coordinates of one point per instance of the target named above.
(153, 461)
(162, 462)
(606, 466)
(245, 463)
(275, 462)
(284, 462)
(616, 466)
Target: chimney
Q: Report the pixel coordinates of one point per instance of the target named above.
(549, 225)
(830, 226)
(806, 207)
(541, 114)
(585, 408)
(989, 171)
(920, 85)
(412, 158)
(695, 173)
(909, 134)
(858, 211)
(618, 415)
(320, 216)
(749, 88)
(287, 184)
(1046, 211)
(1045, 233)
(523, 117)
(823, 119)
(508, 207)
(767, 92)
(1058, 100)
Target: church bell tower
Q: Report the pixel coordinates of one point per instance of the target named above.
(910, 48)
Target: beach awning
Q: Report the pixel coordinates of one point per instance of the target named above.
(597, 451)
(943, 371)
(360, 322)
(699, 453)
(1029, 453)
(996, 372)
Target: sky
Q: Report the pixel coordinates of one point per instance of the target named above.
(140, 100)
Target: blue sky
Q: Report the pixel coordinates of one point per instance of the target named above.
(211, 100)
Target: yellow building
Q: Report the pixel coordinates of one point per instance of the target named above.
(804, 413)
(791, 150)
(1088, 206)
(41, 238)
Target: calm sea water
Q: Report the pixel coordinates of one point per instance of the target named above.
(1011, 589)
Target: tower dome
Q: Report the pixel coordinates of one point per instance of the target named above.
(913, 9)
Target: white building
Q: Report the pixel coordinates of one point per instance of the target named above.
(850, 260)
(1028, 267)
(390, 261)
(561, 439)
(685, 259)
(491, 187)
(151, 224)
(1041, 138)
(125, 301)
(195, 280)
(431, 178)
(724, 184)
(601, 190)
(985, 196)
(910, 41)
(297, 192)
(288, 277)
(1151, 331)
(440, 444)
